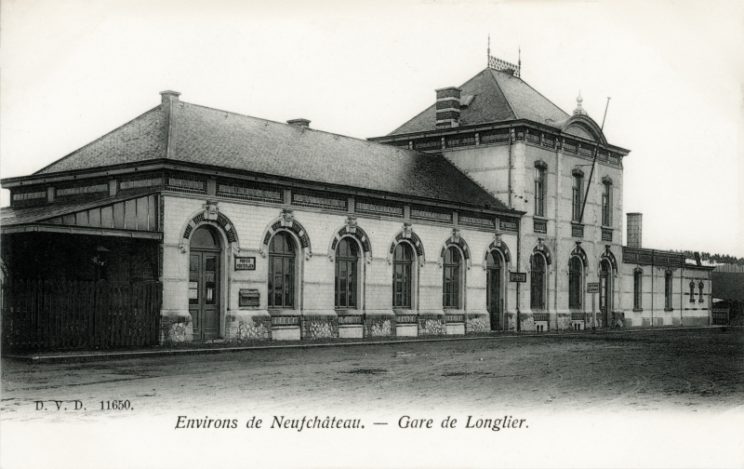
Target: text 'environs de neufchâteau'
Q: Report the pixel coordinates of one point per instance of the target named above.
(277, 422)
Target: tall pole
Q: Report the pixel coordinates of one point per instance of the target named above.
(594, 161)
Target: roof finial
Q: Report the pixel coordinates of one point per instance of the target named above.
(579, 111)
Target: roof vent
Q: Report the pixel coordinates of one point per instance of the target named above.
(466, 100)
(300, 122)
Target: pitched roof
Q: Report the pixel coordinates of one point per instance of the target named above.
(202, 135)
(497, 96)
(142, 138)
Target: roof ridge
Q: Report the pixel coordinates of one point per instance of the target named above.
(544, 97)
(73, 152)
(506, 100)
(305, 129)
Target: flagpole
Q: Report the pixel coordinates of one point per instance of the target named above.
(594, 161)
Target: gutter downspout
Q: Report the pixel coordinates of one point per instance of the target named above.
(509, 188)
(653, 293)
(555, 226)
(681, 296)
(519, 258)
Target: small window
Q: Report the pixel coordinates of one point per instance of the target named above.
(451, 281)
(578, 194)
(637, 289)
(607, 204)
(668, 290)
(540, 189)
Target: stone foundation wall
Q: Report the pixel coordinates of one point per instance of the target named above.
(319, 327)
(431, 325)
(476, 323)
(243, 326)
(175, 328)
(379, 326)
(564, 321)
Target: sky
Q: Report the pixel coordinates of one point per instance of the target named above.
(74, 70)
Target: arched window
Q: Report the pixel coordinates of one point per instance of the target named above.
(347, 258)
(605, 287)
(700, 289)
(537, 282)
(402, 275)
(668, 290)
(494, 289)
(692, 291)
(282, 271)
(637, 289)
(574, 282)
(451, 281)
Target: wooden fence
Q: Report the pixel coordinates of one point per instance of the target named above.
(45, 315)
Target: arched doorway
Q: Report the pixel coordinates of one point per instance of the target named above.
(204, 283)
(605, 290)
(495, 282)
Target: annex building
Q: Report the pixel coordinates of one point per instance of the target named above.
(491, 210)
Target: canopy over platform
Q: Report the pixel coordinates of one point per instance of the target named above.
(125, 215)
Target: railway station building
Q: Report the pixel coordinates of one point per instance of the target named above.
(193, 224)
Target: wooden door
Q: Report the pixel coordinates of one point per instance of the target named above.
(605, 294)
(494, 291)
(204, 284)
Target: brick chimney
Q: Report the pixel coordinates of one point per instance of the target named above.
(635, 230)
(448, 107)
(304, 123)
(169, 99)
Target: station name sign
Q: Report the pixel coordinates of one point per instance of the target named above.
(592, 287)
(519, 277)
(245, 263)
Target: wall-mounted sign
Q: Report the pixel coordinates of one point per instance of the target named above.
(245, 263)
(520, 277)
(249, 297)
(592, 287)
(193, 290)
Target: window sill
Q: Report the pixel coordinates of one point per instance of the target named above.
(284, 312)
(349, 311)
